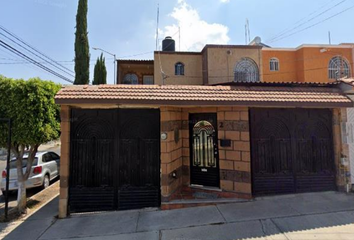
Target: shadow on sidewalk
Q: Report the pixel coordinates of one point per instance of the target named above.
(34, 226)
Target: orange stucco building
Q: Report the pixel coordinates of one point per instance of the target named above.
(307, 63)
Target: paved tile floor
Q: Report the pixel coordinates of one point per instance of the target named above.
(328, 215)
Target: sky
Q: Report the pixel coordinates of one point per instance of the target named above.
(128, 28)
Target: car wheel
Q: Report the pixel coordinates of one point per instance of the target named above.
(46, 182)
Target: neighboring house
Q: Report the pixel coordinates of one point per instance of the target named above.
(212, 125)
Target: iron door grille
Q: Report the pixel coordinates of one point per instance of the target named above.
(292, 151)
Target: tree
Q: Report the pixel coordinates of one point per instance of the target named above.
(35, 120)
(100, 74)
(82, 50)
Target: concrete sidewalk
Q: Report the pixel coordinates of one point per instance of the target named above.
(328, 215)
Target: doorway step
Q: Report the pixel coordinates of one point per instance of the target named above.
(199, 196)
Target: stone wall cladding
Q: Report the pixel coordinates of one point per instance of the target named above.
(341, 148)
(235, 161)
(64, 160)
(171, 151)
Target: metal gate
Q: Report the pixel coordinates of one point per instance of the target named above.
(292, 151)
(139, 165)
(115, 159)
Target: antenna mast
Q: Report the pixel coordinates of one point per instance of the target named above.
(247, 32)
(179, 40)
(157, 26)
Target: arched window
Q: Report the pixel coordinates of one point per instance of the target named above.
(274, 64)
(130, 78)
(246, 70)
(179, 68)
(338, 67)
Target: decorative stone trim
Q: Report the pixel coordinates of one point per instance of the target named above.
(235, 176)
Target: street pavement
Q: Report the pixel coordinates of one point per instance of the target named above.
(328, 215)
(30, 192)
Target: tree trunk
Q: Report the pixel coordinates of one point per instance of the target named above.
(21, 197)
(22, 177)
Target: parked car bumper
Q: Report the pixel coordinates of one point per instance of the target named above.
(32, 182)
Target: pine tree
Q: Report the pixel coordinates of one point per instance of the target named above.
(82, 51)
(100, 74)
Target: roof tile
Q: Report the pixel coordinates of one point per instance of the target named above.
(212, 94)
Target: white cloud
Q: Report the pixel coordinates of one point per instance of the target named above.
(224, 1)
(195, 32)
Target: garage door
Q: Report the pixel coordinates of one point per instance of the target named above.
(115, 159)
(292, 151)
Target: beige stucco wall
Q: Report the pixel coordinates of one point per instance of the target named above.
(193, 74)
(221, 62)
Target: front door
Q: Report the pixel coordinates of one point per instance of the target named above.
(204, 150)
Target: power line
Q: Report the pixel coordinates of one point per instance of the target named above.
(24, 56)
(315, 24)
(301, 23)
(28, 45)
(24, 62)
(37, 55)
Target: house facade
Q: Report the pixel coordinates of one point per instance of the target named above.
(192, 127)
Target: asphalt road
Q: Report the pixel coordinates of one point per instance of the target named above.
(30, 192)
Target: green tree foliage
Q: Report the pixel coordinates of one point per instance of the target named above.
(82, 50)
(100, 74)
(35, 120)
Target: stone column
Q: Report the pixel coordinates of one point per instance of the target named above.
(64, 160)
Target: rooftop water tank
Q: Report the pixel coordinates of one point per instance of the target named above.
(168, 44)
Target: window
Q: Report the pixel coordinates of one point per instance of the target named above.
(54, 156)
(179, 68)
(24, 163)
(246, 70)
(130, 78)
(203, 145)
(46, 157)
(338, 67)
(148, 80)
(274, 64)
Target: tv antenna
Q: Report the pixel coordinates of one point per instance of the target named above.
(157, 26)
(247, 32)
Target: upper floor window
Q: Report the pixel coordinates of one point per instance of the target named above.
(148, 79)
(274, 64)
(246, 70)
(338, 67)
(130, 78)
(179, 68)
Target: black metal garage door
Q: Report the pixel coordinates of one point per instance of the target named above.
(115, 160)
(292, 151)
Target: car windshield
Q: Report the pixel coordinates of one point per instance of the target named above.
(24, 163)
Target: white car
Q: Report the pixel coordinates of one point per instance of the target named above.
(45, 168)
